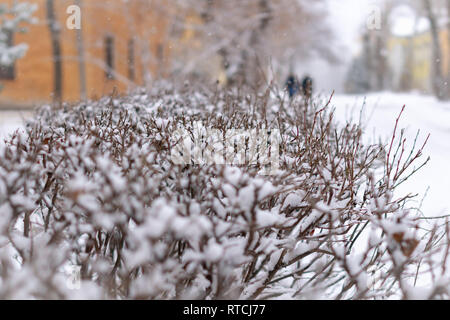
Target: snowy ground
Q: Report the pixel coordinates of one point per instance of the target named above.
(10, 121)
(421, 112)
(380, 111)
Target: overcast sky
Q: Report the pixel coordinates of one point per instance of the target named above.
(347, 17)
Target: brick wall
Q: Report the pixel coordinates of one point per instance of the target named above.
(121, 21)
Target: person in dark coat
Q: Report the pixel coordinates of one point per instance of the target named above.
(292, 86)
(307, 86)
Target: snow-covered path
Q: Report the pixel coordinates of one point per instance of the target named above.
(421, 112)
(10, 121)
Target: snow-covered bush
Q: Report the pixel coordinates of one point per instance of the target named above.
(93, 189)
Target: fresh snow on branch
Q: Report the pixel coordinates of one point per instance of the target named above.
(11, 19)
(92, 206)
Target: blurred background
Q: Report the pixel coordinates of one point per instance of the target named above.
(50, 50)
(380, 54)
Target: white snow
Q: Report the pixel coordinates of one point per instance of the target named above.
(422, 112)
(11, 121)
(170, 219)
(381, 110)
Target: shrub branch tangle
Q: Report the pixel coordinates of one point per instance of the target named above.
(94, 186)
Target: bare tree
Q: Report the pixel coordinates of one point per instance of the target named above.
(247, 36)
(376, 45)
(11, 19)
(437, 70)
(448, 49)
(82, 58)
(55, 30)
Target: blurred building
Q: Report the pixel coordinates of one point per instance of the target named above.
(120, 44)
(410, 60)
(400, 56)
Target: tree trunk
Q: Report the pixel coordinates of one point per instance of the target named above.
(369, 61)
(143, 39)
(251, 63)
(436, 63)
(448, 49)
(81, 58)
(380, 62)
(57, 53)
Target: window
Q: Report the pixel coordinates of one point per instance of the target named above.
(7, 72)
(109, 57)
(177, 28)
(160, 52)
(131, 66)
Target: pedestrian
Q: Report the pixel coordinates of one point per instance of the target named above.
(292, 85)
(307, 86)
